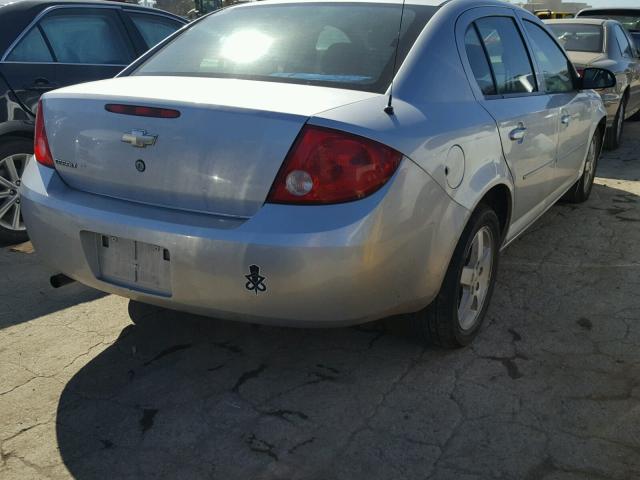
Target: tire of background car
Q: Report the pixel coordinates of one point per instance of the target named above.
(582, 188)
(613, 137)
(454, 318)
(14, 154)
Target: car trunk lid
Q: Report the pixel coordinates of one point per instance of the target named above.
(585, 59)
(219, 156)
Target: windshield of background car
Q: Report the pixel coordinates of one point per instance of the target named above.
(342, 45)
(578, 37)
(629, 19)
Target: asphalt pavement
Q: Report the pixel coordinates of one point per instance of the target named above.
(94, 386)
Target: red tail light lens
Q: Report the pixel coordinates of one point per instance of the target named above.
(41, 144)
(141, 111)
(328, 166)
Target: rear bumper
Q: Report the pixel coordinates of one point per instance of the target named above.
(329, 265)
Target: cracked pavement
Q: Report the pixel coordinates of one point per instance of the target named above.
(95, 386)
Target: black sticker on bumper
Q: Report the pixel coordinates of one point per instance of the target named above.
(255, 280)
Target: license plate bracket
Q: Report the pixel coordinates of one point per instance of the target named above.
(133, 264)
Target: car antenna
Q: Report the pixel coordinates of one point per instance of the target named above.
(389, 108)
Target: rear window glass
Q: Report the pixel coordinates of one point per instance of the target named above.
(578, 38)
(345, 45)
(629, 19)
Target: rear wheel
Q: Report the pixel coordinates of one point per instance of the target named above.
(582, 189)
(614, 133)
(456, 315)
(14, 154)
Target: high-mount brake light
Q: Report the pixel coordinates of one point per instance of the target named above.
(141, 111)
(328, 166)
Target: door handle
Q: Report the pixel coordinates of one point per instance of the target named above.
(566, 119)
(41, 84)
(518, 134)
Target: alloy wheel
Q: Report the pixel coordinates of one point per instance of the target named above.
(475, 278)
(11, 169)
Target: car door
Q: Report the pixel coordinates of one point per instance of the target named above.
(29, 69)
(527, 124)
(631, 69)
(67, 45)
(559, 81)
(152, 27)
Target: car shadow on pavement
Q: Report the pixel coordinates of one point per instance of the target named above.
(26, 293)
(175, 391)
(622, 164)
(182, 396)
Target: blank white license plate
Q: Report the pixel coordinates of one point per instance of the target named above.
(138, 265)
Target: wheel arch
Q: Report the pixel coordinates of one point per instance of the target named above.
(16, 130)
(500, 199)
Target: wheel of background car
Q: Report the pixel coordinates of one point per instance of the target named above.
(614, 133)
(454, 318)
(582, 189)
(14, 154)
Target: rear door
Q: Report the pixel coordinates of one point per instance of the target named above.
(559, 82)
(67, 45)
(507, 87)
(631, 66)
(29, 68)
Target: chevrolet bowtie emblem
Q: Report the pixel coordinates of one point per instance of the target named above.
(139, 138)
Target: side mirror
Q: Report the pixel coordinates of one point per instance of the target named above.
(596, 79)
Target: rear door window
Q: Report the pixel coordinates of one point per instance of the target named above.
(87, 36)
(478, 61)
(508, 56)
(623, 41)
(31, 49)
(556, 69)
(153, 28)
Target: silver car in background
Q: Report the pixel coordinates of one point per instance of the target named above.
(278, 163)
(592, 42)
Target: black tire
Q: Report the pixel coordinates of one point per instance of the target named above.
(613, 138)
(12, 146)
(581, 190)
(439, 323)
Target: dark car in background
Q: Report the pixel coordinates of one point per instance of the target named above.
(602, 43)
(628, 17)
(46, 45)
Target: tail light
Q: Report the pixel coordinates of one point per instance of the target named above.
(41, 148)
(328, 166)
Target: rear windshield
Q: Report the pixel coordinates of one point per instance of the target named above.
(630, 19)
(343, 45)
(578, 38)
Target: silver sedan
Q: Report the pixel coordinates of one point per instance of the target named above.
(297, 163)
(592, 42)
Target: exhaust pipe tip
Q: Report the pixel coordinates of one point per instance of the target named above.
(60, 280)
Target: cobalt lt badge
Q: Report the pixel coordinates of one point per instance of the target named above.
(255, 280)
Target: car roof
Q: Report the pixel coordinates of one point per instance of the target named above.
(581, 21)
(16, 15)
(432, 3)
(610, 9)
